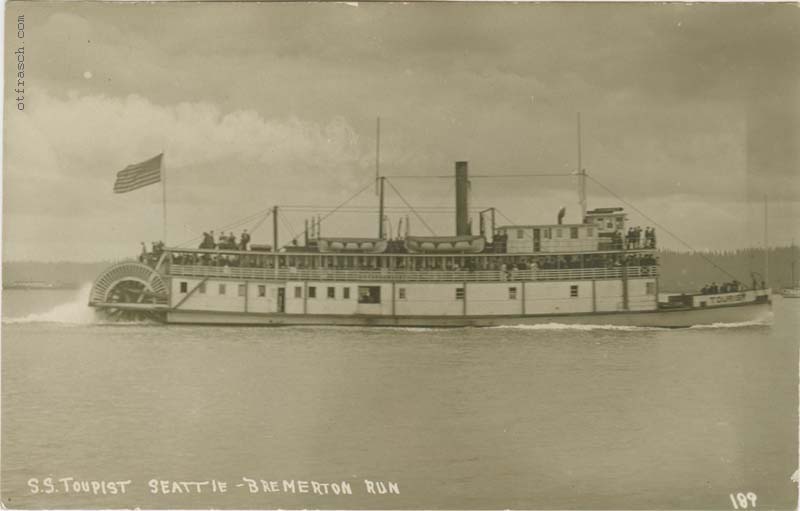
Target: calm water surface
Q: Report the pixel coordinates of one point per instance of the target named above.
(470, 418)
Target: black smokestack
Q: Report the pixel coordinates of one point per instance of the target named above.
(463, 227)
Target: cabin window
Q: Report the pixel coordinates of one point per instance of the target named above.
(573, 291)
(369, 294)
(242, 289)
(520, 234)
(331, 292)
(547, 233)
(312, 292)
(512, 293)
(346, 293)
(298, 292)
(222, 289)
(558, 233)
(590, 232)
(262, 290)
(202, 288)
(459, 293)
(184, 287)
(650, 288)
(401, 293)
(573, 233)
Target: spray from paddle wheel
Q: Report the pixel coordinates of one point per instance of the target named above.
(130, 291)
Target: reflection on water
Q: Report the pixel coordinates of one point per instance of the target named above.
(544, 417)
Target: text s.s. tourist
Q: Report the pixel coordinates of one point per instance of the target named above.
(598, 272)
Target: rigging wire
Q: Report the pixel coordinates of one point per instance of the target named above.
(232, 225)
(675, 236)
(263, 219)
(411, 208)
(334, 210)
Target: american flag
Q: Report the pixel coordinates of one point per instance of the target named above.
(139, 175)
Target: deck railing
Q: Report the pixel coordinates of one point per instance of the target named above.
(287, 274)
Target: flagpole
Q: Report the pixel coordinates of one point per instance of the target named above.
(164, 194)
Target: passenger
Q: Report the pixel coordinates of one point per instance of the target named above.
(143, 254)
(244, 240)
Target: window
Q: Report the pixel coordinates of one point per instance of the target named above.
(512, 293)
(298, 292)
(331, 292)
(520, 234)
(242, 289)
(222, 289)
(184, 287)
(202, 288)
(558, 233)
(262, 290)
(650, 288)
(573, 291)
(547, 233)
(369, 294)
(589, 232)
(609, 225)
(459, 293)
(573, 233)
(346, 293)
(312, 292)
(401, 293)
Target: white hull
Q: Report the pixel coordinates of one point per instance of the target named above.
(673, 318)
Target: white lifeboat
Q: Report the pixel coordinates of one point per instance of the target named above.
(363, 245)
(445, 244)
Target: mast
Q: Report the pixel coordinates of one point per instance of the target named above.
(275, 228)
(164, 195)
(766, 245)
(380, 207)
(377, 153)
(581, 175)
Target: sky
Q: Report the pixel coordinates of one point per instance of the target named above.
(691, 113)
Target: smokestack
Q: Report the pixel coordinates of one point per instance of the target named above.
(561, 213)
(463, 227)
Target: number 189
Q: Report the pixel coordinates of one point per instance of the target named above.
(743, 500)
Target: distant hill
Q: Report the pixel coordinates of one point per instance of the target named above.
(680, 271)
(62, 273)
(687, 271)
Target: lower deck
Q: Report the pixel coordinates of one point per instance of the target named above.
(413, 299)
(671, 318)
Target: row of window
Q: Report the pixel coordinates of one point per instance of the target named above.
(366, 294)
(222, 289)
(548, 232)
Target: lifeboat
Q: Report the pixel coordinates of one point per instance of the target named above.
(445, 244)
(362, 245)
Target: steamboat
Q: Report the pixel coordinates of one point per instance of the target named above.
(590, 272)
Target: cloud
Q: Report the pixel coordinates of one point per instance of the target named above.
(63, 155)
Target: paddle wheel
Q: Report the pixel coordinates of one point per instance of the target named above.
(130, 291)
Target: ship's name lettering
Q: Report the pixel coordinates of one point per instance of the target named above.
(50, 485)
(727, 298)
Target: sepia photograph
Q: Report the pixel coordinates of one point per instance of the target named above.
(400, 255)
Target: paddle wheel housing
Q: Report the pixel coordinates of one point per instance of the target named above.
(130, 291)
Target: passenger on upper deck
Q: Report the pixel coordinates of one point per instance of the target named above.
(244, 240)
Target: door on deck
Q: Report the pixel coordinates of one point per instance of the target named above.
(281, 299)
(537, 240)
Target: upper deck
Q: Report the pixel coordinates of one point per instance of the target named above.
(485, 267)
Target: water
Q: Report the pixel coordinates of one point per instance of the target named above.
(530, 417)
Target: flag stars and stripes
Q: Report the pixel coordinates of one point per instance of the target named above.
(139, 175)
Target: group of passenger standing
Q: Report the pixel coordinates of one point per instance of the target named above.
(226, 241)
(633, 238)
